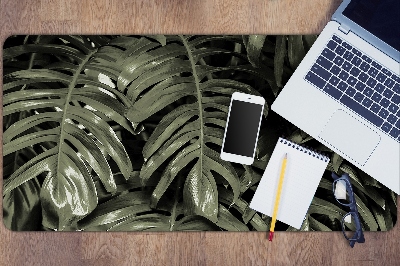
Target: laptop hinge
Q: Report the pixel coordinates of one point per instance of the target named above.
(344, 29)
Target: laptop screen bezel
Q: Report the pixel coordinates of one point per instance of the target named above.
(364, 34)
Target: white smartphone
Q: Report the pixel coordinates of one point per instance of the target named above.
(242, 128)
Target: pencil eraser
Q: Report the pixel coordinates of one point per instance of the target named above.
(271, 235)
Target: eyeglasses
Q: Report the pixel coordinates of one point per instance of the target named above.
(346, 198)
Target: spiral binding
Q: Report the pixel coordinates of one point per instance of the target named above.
(305, 149)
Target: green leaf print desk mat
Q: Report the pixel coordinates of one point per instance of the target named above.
(123, 133)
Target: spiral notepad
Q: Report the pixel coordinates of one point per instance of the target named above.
(303, 173)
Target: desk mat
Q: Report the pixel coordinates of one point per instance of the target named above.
(123, 133)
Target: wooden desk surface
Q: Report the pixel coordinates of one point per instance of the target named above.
(199, 248)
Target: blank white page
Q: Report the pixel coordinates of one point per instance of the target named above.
(304, 170)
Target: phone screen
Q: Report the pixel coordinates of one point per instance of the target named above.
(242, 128)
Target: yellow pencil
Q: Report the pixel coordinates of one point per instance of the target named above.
(278, 196)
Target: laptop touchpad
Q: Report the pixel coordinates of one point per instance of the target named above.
(350, 136)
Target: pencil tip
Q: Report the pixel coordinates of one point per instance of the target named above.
(285, 155)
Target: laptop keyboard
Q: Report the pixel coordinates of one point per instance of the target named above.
(360, 83)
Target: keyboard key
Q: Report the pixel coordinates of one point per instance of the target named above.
(314, 79)
(343, 75)
(355, 71)
(359, 97)
(388, 93)
(366, 58)
(332, 91)
(328, 54)
(317, 69)
(351, 81)
(375, 108)
(393, 108)
(386, 71)
(364, 66)
(348, 55)
(396, 99)
(391, 119)
(350, 91)
(363, 77)
(360, 86)
(356, 61)
(373, 72)
(361, 110)
(371, 82)
(386, 127)
(396, 88)
(355, 51)
(342, 86)
(322, 61)
(394, 132)
(396, 78)
(389, 82)
(397, 124)
(376, 97)
(334, 80)
(367, 102)
(381, 77)
(346, 45)
(338, 60)
(335, 70)
(368, 91)
(340, 50)
(337, 39)
(383, 113)
(385, 102)
(379, 88)
(346, 66)
(376, 65)
(332, 44)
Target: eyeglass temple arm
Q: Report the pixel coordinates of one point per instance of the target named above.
(360, 239)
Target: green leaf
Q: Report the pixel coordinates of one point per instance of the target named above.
(21, 207)
(254, 47)
(279, 59)
(116, 209)
(317, 226)
(68, 186)
(229, 222)
(195, 223)
(61, 124)
(200, 193)
(296, 51)
(148, 222)
(336, 161)
(183, 135)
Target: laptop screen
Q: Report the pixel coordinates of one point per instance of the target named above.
(379, 17)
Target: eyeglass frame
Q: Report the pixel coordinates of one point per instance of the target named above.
(358, 235)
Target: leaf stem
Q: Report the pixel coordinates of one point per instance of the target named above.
(199, 96)
(71, 87)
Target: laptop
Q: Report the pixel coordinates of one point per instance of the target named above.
(346, 91)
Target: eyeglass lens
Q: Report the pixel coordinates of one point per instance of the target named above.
(341, 192)
(349, 226)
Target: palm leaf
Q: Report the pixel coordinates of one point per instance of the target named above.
(70, 113)
(21, 207)
(187, 134)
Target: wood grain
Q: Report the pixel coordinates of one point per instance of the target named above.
(197, 248)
